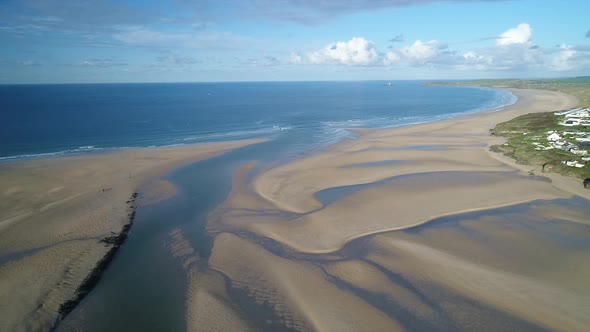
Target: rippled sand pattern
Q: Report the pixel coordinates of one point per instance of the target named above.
(379, 234)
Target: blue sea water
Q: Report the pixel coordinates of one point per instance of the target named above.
(40, 120)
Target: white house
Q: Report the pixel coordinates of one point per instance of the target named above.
(567, 111)
(577, 132)
(573, 164)
(554, 137)
(569, 122)
(578, 114)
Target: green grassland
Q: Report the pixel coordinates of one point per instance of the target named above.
(524, 131)
(521, 134)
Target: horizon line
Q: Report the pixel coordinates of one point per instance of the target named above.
(297, 81)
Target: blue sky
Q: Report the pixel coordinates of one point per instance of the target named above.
(61, 41)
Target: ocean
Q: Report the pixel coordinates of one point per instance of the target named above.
(49, 120)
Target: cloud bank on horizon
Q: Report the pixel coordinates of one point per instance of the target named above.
(228, 40)
(513, 51)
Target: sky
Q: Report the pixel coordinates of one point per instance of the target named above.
(62, 41)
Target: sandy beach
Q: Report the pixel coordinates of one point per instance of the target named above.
(415, 228)
(302, 219)
(54, 211)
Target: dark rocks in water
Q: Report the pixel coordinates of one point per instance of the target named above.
(111, 240)
(115, 241)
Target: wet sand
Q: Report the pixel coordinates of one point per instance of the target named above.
(418, 228)
(285, 236)
(54, 212)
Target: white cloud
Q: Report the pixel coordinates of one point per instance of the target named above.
(514, 57)
(513, 51)
(296, 58)
(265, 61)
(144, 37)
(176, 60)
(390, 58)
(319, 11)
(100, 63)
(562, 62)
(139, 36)
(520, 35)
(421, 52)
(357, 51)
(571, 58)
(28, 63)
(474, 61)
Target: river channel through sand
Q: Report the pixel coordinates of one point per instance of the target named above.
(418, 228)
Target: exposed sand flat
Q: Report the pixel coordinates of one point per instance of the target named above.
(209, 309)
(439, 149)
(54, 211)
(546, 304)
(366, 276)
(400, 204)
(553, 212)
(291, 186)
(371, 189)
(570, 184)
(527, 243)
(33, 287)
(299, 292)
(294, 191)
(156, 191)
(208, 306)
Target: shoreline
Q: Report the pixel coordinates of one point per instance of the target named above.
(452, 116)
(291, 187)
(90, 150)
(402, 137)
(560, 180)
(438, 169)
(114, 242)
(57, 214)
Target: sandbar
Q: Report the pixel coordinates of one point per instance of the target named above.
(54, 211)
(338, 218)
(461, 175)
